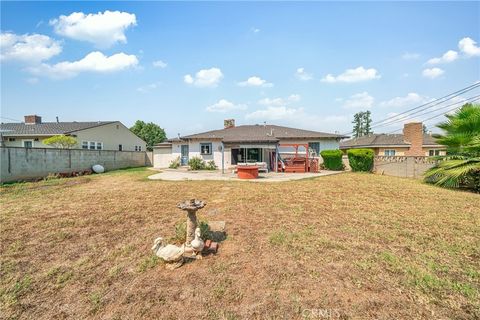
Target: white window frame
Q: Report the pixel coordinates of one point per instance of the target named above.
(85, 145)
(99, 144)
(210, 147)
(435, 152)
(389, 152)
(28, 140)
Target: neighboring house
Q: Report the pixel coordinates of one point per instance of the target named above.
(413, 142)
(240, 144)
(100, 135)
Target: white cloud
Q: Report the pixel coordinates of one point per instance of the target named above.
(255, 30)
(353, 75)
(447, 57)
(274, 113)
(432, 73)
(102, 29)
(30, 48)
(205, 78)
(92, 62)
(301, 74)
(224, 106)
(294, 97)
(148, 87)
(279, 102)
(410, 56)
(255, 82)
(469, 47)
(159, 64)
(410, 99)
(359, 101)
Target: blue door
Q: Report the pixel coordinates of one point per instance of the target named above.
(184, 158)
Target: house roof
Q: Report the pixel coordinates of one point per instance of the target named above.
(383, 139)
(47, 128)
(260, 133)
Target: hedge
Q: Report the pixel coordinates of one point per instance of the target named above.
(361, 159)
(332, 159)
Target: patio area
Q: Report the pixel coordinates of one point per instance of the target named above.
(182, 174)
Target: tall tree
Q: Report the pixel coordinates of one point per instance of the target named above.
(461, 166)
(150, 132)
(362, 124)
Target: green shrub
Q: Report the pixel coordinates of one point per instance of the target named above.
(332, 159)
(175, 163)
(211, 165)
(196, 163)
(361, 159)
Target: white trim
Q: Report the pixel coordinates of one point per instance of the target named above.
(26, 140)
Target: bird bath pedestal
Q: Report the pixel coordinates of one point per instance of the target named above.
(191, 206)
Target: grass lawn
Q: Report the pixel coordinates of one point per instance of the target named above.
(346, 246)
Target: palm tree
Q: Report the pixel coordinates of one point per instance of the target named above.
(461, 166)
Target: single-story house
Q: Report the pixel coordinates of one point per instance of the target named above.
(413, 142)
(99, 135)
(240, 144)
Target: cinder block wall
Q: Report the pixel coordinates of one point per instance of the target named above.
(18, 164)
(403, 166)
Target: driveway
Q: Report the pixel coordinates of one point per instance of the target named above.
(181, 175)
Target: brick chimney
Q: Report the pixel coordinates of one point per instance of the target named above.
(33, 119)
(229, 123)
(413, 134)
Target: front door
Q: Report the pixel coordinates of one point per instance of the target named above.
(184, 158)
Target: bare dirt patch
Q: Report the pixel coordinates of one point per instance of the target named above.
(349, 246)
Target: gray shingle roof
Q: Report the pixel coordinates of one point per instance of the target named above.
(47, 128)
(260, 133)
(383, 139)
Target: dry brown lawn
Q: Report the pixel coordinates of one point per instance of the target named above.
(349, 246)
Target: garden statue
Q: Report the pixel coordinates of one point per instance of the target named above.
(191, 206)
(197, 243)
(170, 253)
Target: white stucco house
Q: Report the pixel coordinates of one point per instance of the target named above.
(94, 135)
(240, 144)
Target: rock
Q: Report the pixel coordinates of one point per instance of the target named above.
(98, 168)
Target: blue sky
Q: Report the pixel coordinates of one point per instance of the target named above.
(187, 66)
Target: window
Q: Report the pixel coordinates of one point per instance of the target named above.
(432, 153)
(11, 139)
(315, 146)
(205, 148)
(27, 143)
(389, 153)
(138, 148)
(120, 147)
(92, 145)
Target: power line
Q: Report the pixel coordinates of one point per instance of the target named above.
(409, 116)
(453, 94)
(10, 119)
(427, 105)
(474, 99)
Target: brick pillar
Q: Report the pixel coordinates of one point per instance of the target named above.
(413, 134)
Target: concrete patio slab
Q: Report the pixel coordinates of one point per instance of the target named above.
(182, 175)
